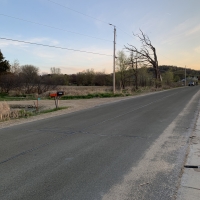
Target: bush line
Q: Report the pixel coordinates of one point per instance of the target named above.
(90, 96)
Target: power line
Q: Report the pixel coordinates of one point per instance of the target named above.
(88, 16)
(78, 12)
(48, 26)
(124, 32)
(45, 45)
(60, 29)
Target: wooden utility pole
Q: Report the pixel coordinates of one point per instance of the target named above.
(114, 43)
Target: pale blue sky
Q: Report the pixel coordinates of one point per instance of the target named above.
(172, 25)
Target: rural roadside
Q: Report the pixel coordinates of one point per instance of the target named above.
(72, 106)
(190, 181)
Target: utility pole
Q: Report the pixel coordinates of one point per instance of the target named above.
(185, 75)
(114, 42)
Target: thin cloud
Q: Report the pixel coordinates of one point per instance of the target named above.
(193, 31)
(6, 43)
(182, 31)
(69, 61)
(197, 49)
(44, 39)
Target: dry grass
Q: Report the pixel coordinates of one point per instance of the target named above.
(14, 93)
(7, 113)
(4, 111)
(85, 90)
(80, 90)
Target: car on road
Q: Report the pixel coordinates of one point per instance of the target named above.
(191, 83)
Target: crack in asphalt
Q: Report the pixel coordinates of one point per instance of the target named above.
(67, 133)
(192, 188)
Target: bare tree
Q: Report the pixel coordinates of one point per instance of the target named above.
(30, 77)
(122, 67)
(8, 82)
(145, 78)
(15, 67)
(147, 54)
(46, 83)
(133, 62)
(100, 79)
(55, 70)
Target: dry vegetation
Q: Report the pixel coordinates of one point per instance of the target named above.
(7, 113)
(16, 109)
(85, 90)
(81, 90)
(4, 111)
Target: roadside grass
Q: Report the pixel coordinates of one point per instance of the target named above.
(53, 110)
(25, 114)
(6, 97)
(95, 95)
(83, 92)
(7, 114)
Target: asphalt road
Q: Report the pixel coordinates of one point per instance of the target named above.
(131, 149)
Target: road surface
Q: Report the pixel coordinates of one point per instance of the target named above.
(126, 150)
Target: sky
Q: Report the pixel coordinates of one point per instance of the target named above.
(173, 27)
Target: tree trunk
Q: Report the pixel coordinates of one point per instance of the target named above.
(136, 75)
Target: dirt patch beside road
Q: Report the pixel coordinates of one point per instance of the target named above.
(73, 105)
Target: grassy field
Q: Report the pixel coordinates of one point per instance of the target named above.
(79, 92)
(85, 90)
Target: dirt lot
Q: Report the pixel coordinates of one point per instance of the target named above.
(73, 106)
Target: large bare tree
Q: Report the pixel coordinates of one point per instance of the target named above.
(147, 54)
(133, 62)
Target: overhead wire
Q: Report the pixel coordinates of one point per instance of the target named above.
(125, 32)
(57, 47)
(60, 29)
(87, 16)
(67, 31)
(56, 28)
(90, 17)
(78, 11)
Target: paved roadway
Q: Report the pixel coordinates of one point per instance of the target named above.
(131, 149)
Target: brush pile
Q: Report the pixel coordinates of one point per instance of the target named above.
(6, 113)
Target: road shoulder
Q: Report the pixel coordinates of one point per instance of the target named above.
(72, 106)
(190, 181)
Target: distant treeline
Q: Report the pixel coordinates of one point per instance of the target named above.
(27, 79)
(179, 72)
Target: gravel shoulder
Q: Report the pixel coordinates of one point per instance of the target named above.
(73, 106)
